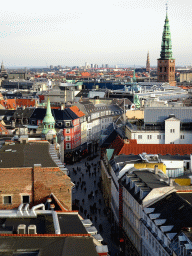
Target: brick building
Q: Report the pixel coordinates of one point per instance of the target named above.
(29, 175)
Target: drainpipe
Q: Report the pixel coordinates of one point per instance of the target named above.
(56, 222)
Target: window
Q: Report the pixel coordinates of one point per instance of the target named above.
(139, 137)
(172, 142)
(7, 200)
(68, 145)
(149, 137)
(67, 124)
(172, 130)
(158, 137)
(25, 199)
(68, 138)
(67, 130)
(182, 137)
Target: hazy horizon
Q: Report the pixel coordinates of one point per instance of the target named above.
(103, 32)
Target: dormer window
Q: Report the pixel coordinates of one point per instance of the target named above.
(67, 124)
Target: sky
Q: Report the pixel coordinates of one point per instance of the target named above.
(114, 32)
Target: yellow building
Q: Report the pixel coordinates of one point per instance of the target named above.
(161, 166)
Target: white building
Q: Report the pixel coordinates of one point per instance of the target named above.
(140, 189)
(163, 126)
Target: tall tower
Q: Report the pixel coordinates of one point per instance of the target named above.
(134, 77)
(148, 63)
(166, 63)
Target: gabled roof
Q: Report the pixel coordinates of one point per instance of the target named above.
(77, 111)
(131, 147)
(26, 155)
(117, 144)
(6, 112)
(23, 113)
(67, 114)
(159, 114)
(175, 210)
(9, 103)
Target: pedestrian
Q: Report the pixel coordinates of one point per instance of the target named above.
(99, 210)
(80, 179)
(89, 174)
(83, 200)
(85, 189)
(82, 175)
(96, 192)
(94, 182)
(91, 218)
(93, 195)
(87, 216)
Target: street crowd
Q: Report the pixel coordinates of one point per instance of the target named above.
(88, 199)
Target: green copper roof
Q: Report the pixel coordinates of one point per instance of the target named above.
(109, 153)
(48, 117)
(134, 77)
(166, 45)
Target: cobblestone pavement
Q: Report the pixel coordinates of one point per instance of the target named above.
(99, 217)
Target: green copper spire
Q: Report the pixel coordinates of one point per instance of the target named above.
(134, 77)
(166, 45)
(48, 121)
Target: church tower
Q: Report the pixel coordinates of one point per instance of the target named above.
(148, 63)
(49, 122)
(166, 63)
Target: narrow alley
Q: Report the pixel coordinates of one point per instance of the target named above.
(88, 197)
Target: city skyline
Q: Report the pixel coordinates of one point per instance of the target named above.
(112, 32)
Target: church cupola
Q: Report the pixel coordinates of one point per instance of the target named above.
(49, 121)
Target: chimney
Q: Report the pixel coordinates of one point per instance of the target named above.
(49, 200)
(156, 169)
(52, 206)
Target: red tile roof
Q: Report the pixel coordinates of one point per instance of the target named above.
(77, 111)
(3, 130)
(131, 147)
(9, 103)
(117, 144)
(25, 102)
